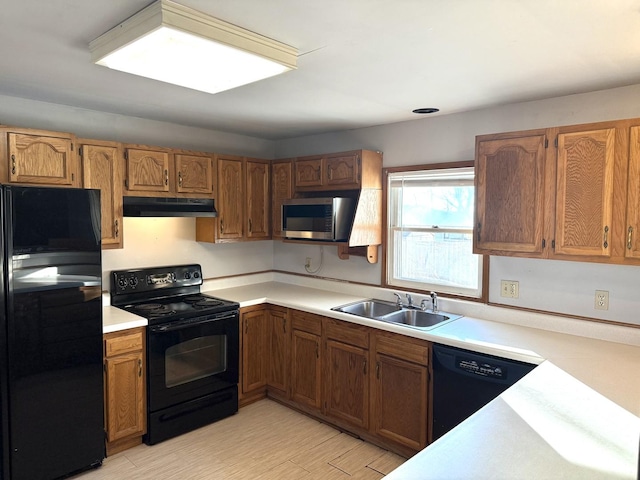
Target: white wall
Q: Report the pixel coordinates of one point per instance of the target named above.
(153, 242)
(20, 112)
(554, 286)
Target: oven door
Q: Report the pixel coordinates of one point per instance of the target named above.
(190, 358)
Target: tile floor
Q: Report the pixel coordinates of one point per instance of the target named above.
(264, 441)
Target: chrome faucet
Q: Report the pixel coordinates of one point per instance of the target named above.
(409, 301)
(398, 299)
(434, 301)
(423, 304)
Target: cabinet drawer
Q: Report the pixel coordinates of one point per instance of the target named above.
(351, 334)
(403, 348)
(123, 343)
(307, 322)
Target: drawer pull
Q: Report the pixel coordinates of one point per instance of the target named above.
(629, 238)
(606, 237)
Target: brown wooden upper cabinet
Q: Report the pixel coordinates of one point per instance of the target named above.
(584, 198)
(243, 201)
(509, 188)
(565, 192)
(632, 226)
(338, 171)
(281, 190)
(162, 171)
(39, 157)
(102, 169)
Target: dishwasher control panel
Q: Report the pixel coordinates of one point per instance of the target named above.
(481, 368)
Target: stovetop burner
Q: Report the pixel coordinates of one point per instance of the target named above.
(203, 301)
(152, 310)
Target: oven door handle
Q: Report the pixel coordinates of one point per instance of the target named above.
(181, 325)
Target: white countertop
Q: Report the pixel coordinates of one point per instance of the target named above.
(575, 416)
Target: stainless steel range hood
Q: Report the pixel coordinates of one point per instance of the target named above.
(168, 207)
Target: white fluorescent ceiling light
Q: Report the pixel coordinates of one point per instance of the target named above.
(175, 44)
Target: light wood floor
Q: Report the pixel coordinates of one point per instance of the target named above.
(265, 441)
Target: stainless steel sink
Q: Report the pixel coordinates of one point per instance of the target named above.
(418, 318)
(394, 313)
(369, 308)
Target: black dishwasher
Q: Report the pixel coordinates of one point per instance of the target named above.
(465, 381)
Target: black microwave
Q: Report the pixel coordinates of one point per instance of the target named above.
(328, 219)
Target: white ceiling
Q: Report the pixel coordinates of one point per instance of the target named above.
(361, 63)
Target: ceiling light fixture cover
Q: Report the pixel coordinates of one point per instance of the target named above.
(176, 44)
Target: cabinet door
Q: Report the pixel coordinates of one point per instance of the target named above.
(279, 349)
(254, 349)
(584, 199)
(510, 190)
(400, 401)
(343, 171)
(124, 392)
(632, 243)
(305, 369)
(281, 189)
(308, 172)
(147, 170)
(258, 199)
(101, 166)
(347, 385)
(194, 174)
(230, 199)
(42, 160)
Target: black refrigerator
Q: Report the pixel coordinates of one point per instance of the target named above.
(51, 378)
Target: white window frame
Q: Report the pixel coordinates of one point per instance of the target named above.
(435, 176)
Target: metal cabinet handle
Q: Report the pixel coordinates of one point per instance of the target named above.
(284, 325)
(117, 228)
(13, 164)
(246, 326)
(250, 226)
(317, 351)
(180, 179)
(364, 366)
(166, 177)
(140, 367)
(606, 236)
(629, 237)
(378, 370)
(330, 172)
(478, 231)
(221, 226)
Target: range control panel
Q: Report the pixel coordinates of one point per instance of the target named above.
(481, 368)
(148, 279)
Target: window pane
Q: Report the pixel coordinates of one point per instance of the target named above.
(442, 206)
(436, 258)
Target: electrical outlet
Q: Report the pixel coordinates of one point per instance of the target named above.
(307, 263)
(509, 289)
(602, 300)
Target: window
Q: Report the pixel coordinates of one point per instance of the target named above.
(430, 232)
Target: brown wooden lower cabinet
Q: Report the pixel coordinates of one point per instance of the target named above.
(346, 379)
(306, 360)
(279, 350)
(399, 389)
(372, 383)
(125, 394)
(253, 348)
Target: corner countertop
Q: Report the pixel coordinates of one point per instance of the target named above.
(575, 416)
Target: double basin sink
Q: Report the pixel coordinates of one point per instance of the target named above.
(394, 313)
